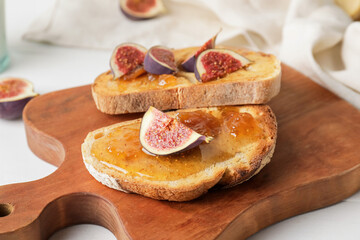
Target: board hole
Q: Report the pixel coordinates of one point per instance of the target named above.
(6, 209)
(84, 231)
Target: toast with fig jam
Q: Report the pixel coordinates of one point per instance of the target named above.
(255, 83)
(242, 143)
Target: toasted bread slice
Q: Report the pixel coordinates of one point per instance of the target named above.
(255, 84)
(114, 156)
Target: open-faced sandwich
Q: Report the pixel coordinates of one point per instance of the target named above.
(180, 155)
(209, 141)
(186, 78)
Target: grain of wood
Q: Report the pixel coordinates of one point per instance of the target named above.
(316, 164)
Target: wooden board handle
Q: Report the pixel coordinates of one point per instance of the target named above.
(21, 212)
(39, 210)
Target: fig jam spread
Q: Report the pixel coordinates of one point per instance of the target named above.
(201, 122)
(239, 124)
(232, 132)
(148, 81)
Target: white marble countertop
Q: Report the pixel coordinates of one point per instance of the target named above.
(53, 68)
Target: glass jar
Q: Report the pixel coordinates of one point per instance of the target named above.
(4, 58)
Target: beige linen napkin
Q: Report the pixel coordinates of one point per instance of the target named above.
(316, 37)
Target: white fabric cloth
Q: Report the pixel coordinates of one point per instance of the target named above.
(316, 37)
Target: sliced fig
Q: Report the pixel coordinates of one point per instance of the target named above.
(164, 135)
(141, 9)
(160, 60)
(217, 63)
(126, 58)
(15, 93)
(189, 63)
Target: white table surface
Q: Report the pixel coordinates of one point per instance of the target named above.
(53, 68)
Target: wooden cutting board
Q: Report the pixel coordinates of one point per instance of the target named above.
(316, 164)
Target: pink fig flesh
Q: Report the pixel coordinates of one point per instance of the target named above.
(163, 135)
(160, 60)
(15, 93)
(213, 64)
(189, 63)
(126, 58)
(141, 9)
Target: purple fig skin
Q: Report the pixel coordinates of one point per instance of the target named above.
(197, 142)
(189, 64)
(197, 74)
(13, 110)
(154, 66)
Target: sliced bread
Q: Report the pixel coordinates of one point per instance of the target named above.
(244, 141)
(255, 84)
